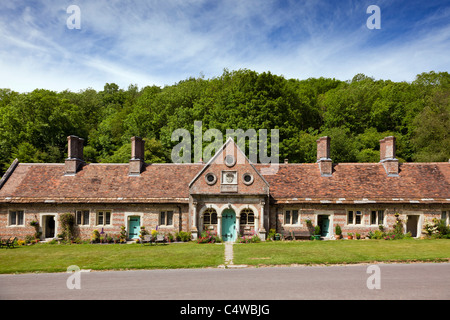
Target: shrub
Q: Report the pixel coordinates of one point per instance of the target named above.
(183, 236)
(67, 221)
(209, 237)
(95, 236)
(338, 230)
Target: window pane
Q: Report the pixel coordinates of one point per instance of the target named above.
(12, 217)
(358, 218)
(86, 217)
(163, 218)
(78, 217)
(207, 218)
(350, 217)
(243, 218)
(214, 218)
(380, 216)
(20, 217)
(251, 218)
(373, 217)
(169, 218)
(107, 217)
(287, 219)
(100, 218)
(294, 216)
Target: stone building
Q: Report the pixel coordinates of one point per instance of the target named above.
(228, 195)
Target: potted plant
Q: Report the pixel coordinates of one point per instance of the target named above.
(358, 236)
(338, 232)
(349, 236)
(317, 233)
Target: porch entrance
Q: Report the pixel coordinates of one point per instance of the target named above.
(134, 227)
(228, 225)
(412, 225)
(323, 221)
(48, 226)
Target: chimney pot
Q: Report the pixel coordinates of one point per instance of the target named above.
(74, 155)
(387, 156)
(137, 156)
(323, 156)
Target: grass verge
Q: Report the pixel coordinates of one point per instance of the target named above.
(56, 258)
(342, 251)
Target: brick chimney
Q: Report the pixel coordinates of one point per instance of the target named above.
(323, 157)
(137, 156)
(387, 156)
(74, 159)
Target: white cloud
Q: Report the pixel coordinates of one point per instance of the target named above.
(162, 42)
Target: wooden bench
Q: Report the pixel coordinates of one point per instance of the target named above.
(295, 234)
(160, 238)
(301, 234)
(8, 243)
(287, 234)
(147, 239)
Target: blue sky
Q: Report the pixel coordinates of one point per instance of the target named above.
(162, 42)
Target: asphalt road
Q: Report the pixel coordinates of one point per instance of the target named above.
(429, 281)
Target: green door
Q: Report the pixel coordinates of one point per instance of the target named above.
(229, 225)
(325, 226)
(134, 227)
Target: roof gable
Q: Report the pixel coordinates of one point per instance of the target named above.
(232, 172)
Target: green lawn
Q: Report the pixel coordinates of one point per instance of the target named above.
(343, 251)
(56, 258)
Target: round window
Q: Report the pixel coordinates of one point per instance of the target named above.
(248, 178)
(210, 178)
(229, 160)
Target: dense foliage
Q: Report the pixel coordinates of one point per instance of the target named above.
(356, 114)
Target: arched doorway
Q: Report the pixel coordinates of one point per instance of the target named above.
(229, 225)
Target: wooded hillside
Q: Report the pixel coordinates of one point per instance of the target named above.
(356, 114)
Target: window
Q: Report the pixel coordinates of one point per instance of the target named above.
(445, 217)
(247, 217)
(16, 218)
(210, 217)
(82, 217)
(291, 217)
(377, 217)
(103, 218)
(210, 178)
(354, 217)
(166, 218)
(247, 178)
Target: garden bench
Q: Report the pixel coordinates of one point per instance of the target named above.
(8, 243)
(287, 234)
(300, 234)
(147, 239)
(160, 238)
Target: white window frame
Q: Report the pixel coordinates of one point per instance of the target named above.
(354, 214)
(377, 218)
(291, 217)
(104, 213)
(247, 212)
(16, 224)
(82, 218)
(163, 221)
(208, 212)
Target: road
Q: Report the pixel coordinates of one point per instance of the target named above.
(388, 281)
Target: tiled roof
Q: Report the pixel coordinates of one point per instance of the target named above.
(169, 183)
(361, 183)
(99, 183)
